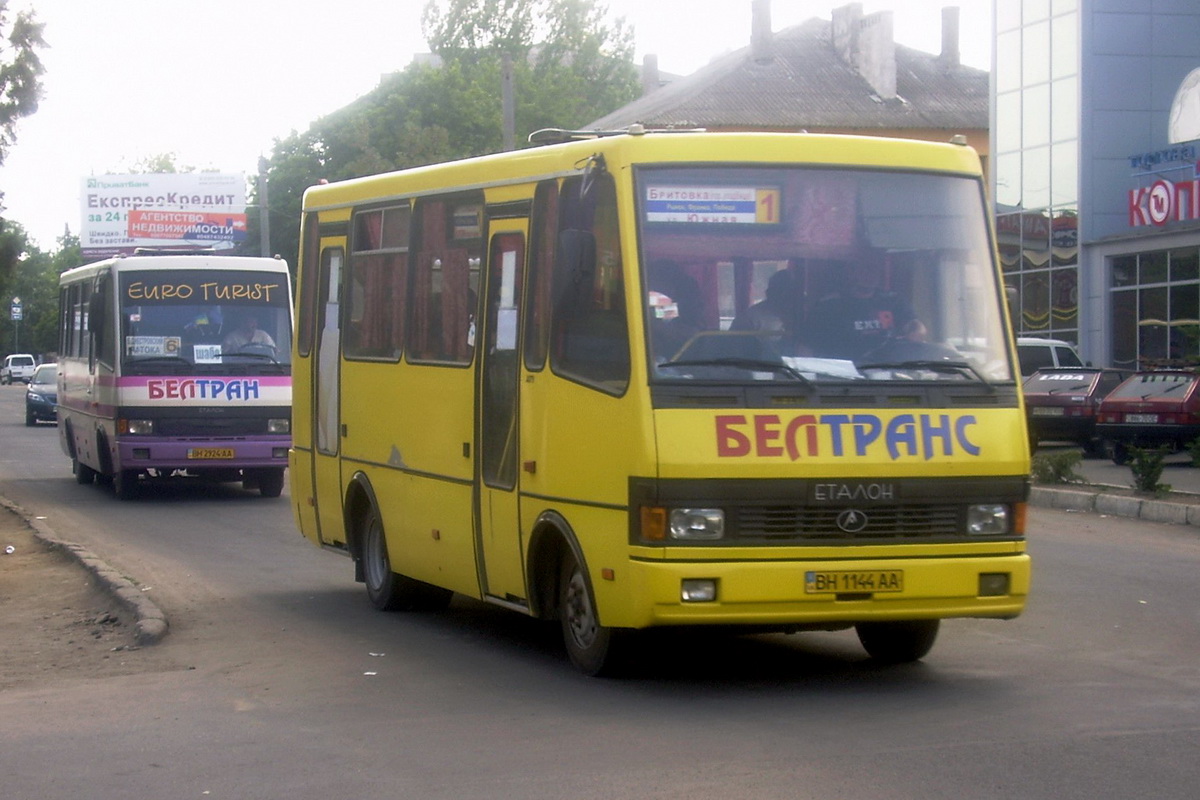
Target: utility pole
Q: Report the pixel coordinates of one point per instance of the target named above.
(264, 220)
(507, 103)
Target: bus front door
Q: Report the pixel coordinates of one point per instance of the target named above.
(326, 402)
(497, 505)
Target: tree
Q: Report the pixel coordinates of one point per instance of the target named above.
(20, 72)
(35, 281)
(570, 65)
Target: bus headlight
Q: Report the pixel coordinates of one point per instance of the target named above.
(279, 425)
(137, 427)
(988, 519)
(697, 523)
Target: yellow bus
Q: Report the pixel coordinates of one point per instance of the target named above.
(654, 379)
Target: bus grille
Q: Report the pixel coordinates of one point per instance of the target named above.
(785, 523)
(210, 427)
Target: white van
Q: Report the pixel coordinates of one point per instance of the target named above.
(17, 367)
(1035, 353)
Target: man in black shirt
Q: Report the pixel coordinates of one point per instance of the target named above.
(863, 316)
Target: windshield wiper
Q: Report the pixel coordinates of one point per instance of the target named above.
(752, 364)
(262, 356)
(149, 359)
(934, 366)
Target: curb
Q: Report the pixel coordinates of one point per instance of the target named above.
(1115, 505)
(150, 625)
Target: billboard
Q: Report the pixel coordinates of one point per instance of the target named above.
(123, 212)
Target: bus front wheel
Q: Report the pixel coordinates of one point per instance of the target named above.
(84, 474)
(389, 590)
(593, 648)
(124, 483)
(270, 482)
(898, 642)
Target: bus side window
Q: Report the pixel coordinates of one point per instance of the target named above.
(589, 328)
(446, 278)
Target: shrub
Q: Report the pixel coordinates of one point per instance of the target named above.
(1147, 467)
(1056, 467)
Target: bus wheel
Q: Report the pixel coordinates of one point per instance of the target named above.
(593, 648)
(898, 642)
(84, 474)
(124, 483)
(389, 590)
(270, 482)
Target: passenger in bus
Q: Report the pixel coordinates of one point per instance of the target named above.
(777, 313)
(676, 307)
(861, 316)
(248, 333)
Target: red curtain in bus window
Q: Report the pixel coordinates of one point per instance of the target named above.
(456, 319)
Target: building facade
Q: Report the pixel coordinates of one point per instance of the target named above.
(1095, 154)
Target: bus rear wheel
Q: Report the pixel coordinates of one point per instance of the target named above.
(389, 590)
(593, 648)
(898, 642)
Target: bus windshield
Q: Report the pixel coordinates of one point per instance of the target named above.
(203, 321)
(816, 275)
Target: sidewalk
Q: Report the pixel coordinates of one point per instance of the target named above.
(1108, 490)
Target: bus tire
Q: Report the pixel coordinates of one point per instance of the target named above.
(124, 483)
(898, 642)
(84, 475)
(270, 482)
(593, 648)
(389, 590)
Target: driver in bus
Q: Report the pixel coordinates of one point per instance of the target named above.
(862, 316)
(248, 333)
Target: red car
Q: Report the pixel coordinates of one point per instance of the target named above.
(1061, 404)
(1151, 409)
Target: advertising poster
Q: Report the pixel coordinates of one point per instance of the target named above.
(121, 213)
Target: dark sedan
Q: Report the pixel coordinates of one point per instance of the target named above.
(41, 396)
(1062, 404)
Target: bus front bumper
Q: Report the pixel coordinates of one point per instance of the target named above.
(151, 452)
(814, 593)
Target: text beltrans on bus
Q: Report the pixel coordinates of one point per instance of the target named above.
(176, 366)
(667, 379)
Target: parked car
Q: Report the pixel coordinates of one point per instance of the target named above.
(1035, 353)
(17, 367)
(41, 396)
(1062, 403)
(1159, 408)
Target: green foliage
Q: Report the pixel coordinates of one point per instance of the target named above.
(570, 66)
(1147, 467)
(1193, 449)
(34, 279)
(1056, 467)
(20, 72)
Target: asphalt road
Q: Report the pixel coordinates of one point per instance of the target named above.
(289, 685)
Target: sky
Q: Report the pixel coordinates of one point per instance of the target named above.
(217, 83)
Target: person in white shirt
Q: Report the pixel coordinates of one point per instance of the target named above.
(248, 333)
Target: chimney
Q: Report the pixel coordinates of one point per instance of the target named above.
(950, 53)
(845, 31)
(867, 45)
(760, 31)
(650, 79)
